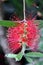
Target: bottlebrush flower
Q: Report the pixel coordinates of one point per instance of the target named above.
(26, 32)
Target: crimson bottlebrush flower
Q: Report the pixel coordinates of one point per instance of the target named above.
(26, 32)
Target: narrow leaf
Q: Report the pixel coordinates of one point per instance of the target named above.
(29, 59)
(34, 54)
(10, 55)
(7, 23)
(17, 57)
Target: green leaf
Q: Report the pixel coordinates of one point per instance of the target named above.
(29, 59)
(34, 54)
(7, 23)
(17, 57)
(10, 55)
